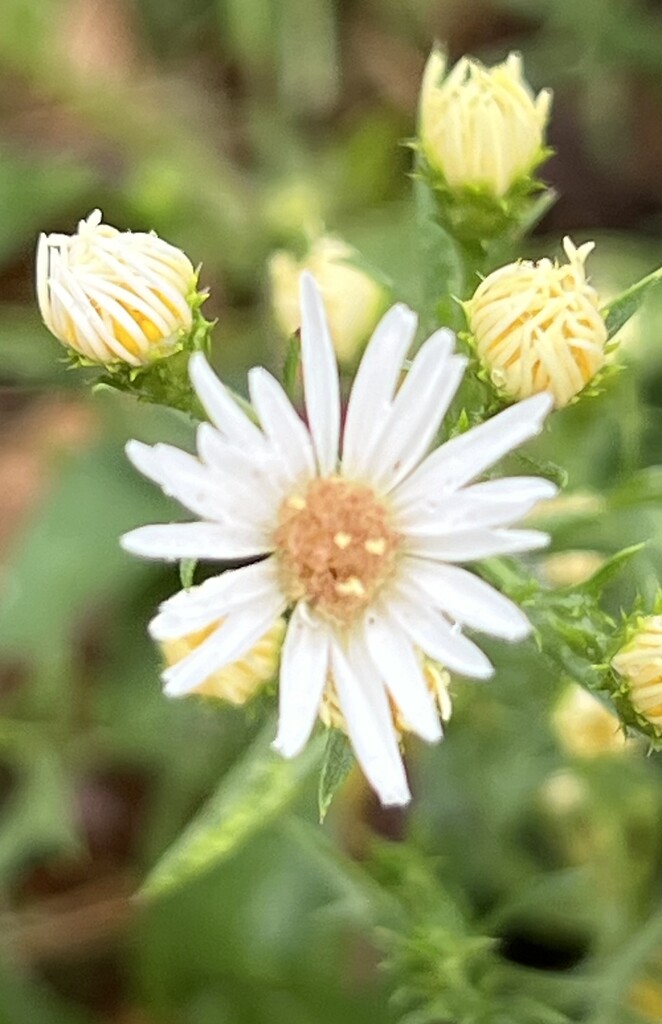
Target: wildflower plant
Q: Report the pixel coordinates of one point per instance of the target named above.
(352, 538)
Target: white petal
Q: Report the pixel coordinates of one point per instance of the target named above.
(180, 476)
(369, 723)
(470, 545)
(393, 655)
(514, 488)
(303, 674)
(438, 639)
(492, 503)
(465, 457)
(42, 274)
(467, 598)
(374, 385)
(221, 407)
(233, 638)
(171, 541)
(320, 377)
(417, 410)
(282, 425)
(253, 482)
(196, 608)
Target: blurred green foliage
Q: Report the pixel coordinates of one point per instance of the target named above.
(229, 126)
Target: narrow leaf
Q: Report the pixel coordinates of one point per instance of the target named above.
(336, 766)
(617, 313)
(254, 792)
(292, 364)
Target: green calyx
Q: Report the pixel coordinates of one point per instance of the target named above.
(474, 214)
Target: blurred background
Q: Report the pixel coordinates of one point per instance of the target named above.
(230, 127)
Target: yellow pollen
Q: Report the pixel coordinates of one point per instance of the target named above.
(350, 588)
(377, 546)
(296, 502)
(336, 547)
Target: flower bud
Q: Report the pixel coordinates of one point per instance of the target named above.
(481, 128)
(584, 727)
(639, 665)
(240, 680)
(570, 568)
(353, 299)
(115, 296)
(537, 327)
(438, 683)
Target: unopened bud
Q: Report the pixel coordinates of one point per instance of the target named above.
(353, 299)
(639, 665)
(241, 680)
(481, 128)
(537, 327)
(584, 727)
(115, 296)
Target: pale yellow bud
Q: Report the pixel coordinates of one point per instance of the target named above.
(241, 680)
(537, 327)
(639, 663)
(481, 127)
(564, 793)
(584, 727)
(353, 300)
(114, 296)
(438, 683)
(569, 568)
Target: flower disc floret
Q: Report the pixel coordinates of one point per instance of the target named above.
(336, 547)
(538, 327)
(114, 296)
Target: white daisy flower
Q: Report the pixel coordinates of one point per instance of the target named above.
(360, 543)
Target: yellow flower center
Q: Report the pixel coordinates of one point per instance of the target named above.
(336, 546)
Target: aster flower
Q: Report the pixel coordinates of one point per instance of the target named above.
(115, 296)
(361, 544)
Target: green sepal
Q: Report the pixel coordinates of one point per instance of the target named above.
(337, 763)
(474, 215)
(187, 567)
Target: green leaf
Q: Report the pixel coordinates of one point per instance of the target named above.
(70, 546)
(26, 998)
(612, 567)
(617, 313)
(338, 762)
(254, 792)
(38, 817)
